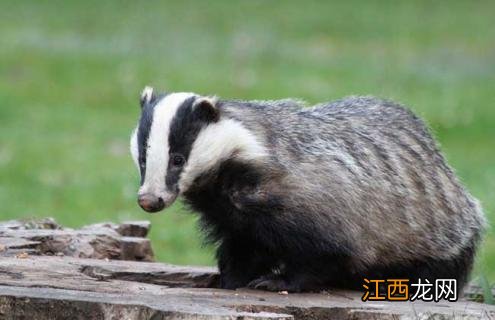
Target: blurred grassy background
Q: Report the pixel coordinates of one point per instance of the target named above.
(71, 73)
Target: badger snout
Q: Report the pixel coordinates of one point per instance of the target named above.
(154, 203)
(150, 202)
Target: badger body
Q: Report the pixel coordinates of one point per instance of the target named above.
(303, 199)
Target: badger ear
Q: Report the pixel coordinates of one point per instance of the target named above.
(146, 96)
(206, 109)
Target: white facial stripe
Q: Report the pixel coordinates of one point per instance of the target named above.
(158, 148)
(134, 148)
(217, 142)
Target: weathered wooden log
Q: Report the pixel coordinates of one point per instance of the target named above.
(100, 241)
(38, 287)
(33, 286)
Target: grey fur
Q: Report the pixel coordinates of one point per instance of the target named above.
(367, 170)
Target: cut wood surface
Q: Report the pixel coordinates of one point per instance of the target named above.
(33, 286)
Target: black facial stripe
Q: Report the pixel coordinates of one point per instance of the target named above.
(144, 131)
(184, 129)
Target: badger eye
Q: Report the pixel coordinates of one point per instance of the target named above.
(178, 160)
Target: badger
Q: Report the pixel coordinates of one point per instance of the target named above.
(304, 198)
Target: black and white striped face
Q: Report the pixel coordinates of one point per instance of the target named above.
(162, 142)
(180, 136)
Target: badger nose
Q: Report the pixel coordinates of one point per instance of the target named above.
(150, 202)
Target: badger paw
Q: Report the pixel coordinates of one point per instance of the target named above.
(273, 283)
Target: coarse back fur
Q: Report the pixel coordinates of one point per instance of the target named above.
(305, 198)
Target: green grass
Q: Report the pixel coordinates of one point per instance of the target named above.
(71, 73)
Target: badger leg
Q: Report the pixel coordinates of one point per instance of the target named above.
(310, 274)
(297, 278)
(240, 263)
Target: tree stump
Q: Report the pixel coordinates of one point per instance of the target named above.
(49, 272)
(124, 241)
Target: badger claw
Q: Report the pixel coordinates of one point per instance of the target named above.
(272, 284)
(256, 281)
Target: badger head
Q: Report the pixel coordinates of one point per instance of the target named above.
(180, 137)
